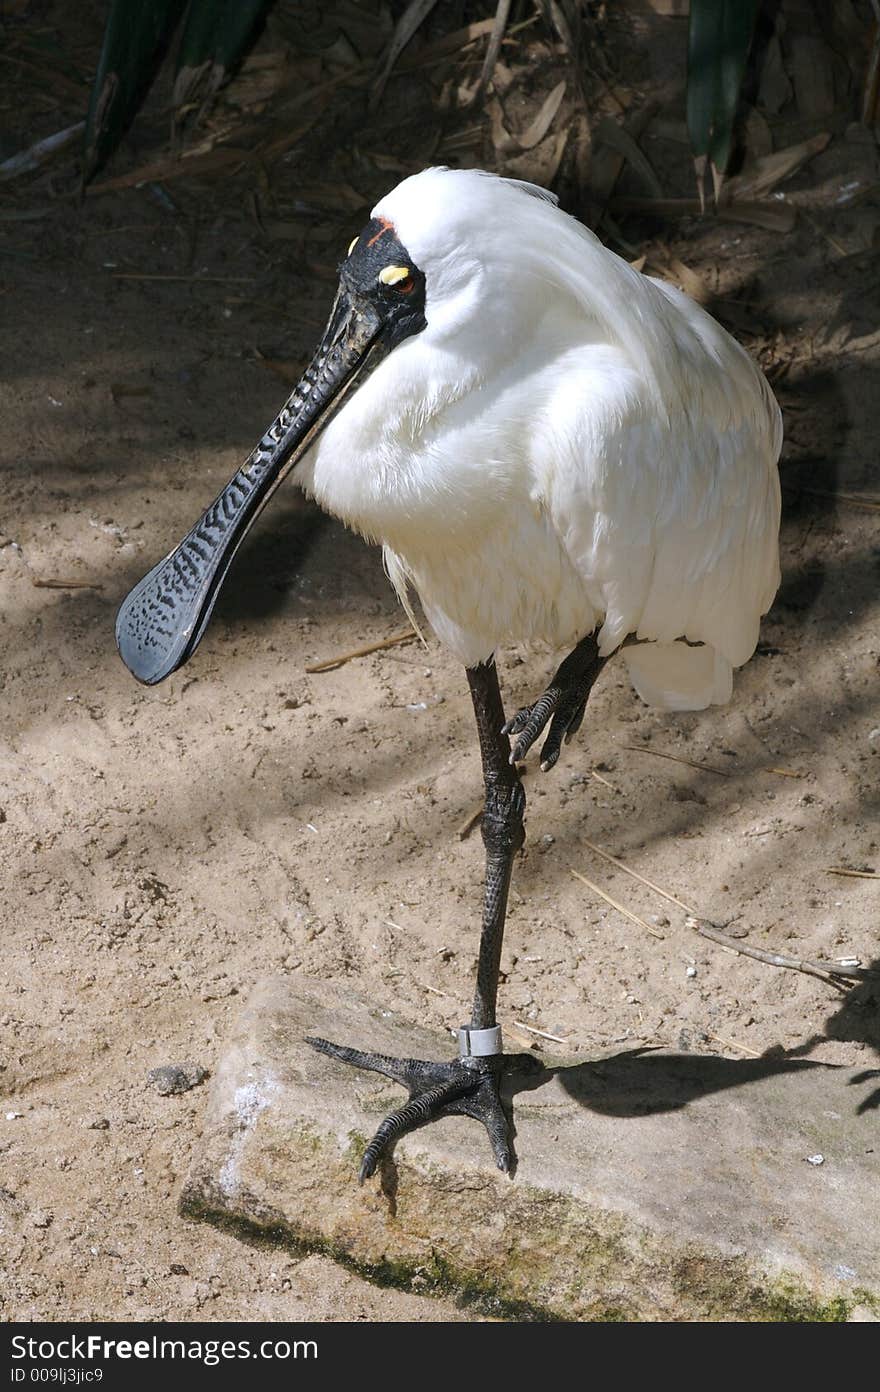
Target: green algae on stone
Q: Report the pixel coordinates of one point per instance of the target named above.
(653, 1217)
(705, 1286)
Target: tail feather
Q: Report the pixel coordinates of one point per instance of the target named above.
(675, 676)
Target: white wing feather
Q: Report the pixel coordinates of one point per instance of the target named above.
(673, 518)
(568, 444)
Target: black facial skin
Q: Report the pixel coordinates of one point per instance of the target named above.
(161, 622)
(400, 306)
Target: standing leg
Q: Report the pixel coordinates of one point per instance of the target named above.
(470, 1085)
(503, 833)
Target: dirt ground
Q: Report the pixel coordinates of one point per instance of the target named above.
(163, 848)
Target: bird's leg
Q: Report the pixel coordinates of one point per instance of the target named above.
(469, 1085)
(565, 700)
(503, 834)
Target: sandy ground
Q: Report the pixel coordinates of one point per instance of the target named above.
(163, 848)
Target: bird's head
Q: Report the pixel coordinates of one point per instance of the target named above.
(430, 263)
(440, 255)
(476, 242)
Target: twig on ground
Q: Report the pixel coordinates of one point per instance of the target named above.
(39, 584)
(470, 822)
(826, 971)
(732, 1044)
(28, 160)
(542, 1034)
(856, 874)
(606, 855)
(162, 170)
(330, 663)
(627, 913)
(676, 759)
(599, 779)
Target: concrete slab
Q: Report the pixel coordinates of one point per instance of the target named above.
(650, 1185)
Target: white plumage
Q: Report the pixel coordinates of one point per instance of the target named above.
(568, 445)
(551, 448)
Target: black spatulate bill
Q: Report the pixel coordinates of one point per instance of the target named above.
(160, 623)
(380, 302)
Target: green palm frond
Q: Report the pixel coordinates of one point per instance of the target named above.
(215, 35)
(135, 38)
(719, 38)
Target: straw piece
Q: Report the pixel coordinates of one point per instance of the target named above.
(39, 584)
(855, 874)
(634, 918)
(330, 663)
(636, 876)
(732, 1044)
(826, 971)
(542, 1034)
(510, 1032)
(599, 779)
(470, 822)
(159, 171)
(676, 759)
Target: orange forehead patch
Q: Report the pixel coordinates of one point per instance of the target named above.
(385, 226)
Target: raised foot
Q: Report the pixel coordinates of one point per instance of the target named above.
(565, 700)
(436, 1089)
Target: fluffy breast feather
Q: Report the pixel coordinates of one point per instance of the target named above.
(573, 478)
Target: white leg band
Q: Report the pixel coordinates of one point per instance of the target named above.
(479, 1043)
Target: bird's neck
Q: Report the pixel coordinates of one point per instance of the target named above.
(384, 461)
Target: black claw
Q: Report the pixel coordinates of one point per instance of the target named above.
(435, 1090)
(565, 700)
(517, 722)
(576, 722)
(553, 743)
(421, 1108)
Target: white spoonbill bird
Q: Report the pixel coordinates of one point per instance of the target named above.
(549, 446)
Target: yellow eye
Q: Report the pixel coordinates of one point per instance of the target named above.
(354, 242)
(390, 275)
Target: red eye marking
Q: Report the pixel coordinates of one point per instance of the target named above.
(386, 226)
(406, 287)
